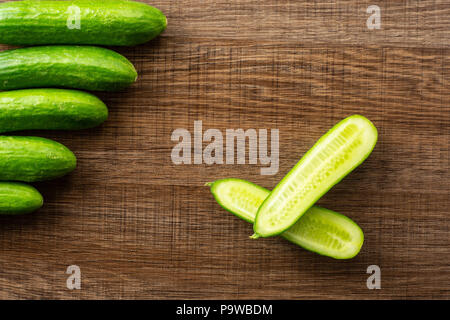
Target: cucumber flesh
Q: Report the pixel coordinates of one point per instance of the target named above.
(319, 230)
(335, 155)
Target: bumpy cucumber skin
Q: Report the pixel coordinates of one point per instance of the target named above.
(19, 198)
(291, 234)
(30, 159)
(50, 109)
(78, 67)
(374, 132)
(112, 23)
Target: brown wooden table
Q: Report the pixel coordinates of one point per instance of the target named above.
(139, 226)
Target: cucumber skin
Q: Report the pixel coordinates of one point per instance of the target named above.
(375, 131)
(111, 23)
(19, 198)
(50, 109)
(31, 159)
(289, 234)
(78, 67)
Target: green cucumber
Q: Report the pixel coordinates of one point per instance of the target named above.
(50, 109)
(112, 23)
(19, 198)
(31, 159)
(335, 155)
(319, 230)
(78, 67)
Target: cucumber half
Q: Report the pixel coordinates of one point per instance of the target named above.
(319, 230)
(335, 155)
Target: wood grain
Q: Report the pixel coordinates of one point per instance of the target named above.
(141, 227)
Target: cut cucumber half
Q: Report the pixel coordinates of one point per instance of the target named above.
(319, 230)
(335, 155)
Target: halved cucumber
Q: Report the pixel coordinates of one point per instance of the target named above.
(319, 230)
(335, 155)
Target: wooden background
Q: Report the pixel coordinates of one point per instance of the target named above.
(140, 227)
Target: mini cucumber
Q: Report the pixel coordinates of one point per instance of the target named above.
(319, 230)
(19, 198)
(50, 109)
(31, 159)
(112, 22)
(78, 67)
(335, 155)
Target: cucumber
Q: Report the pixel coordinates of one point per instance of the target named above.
(19, 198)
(112, 23)
(31, 159)
(78, 67)
(335, 155)
(319, 230)
(51, 109)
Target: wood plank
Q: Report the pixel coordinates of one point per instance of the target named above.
(412, 23)
(141, 227)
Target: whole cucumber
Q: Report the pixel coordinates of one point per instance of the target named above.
(19, 198)
(78, 67)
(51, 109)
(31, 159)
(113, 22)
